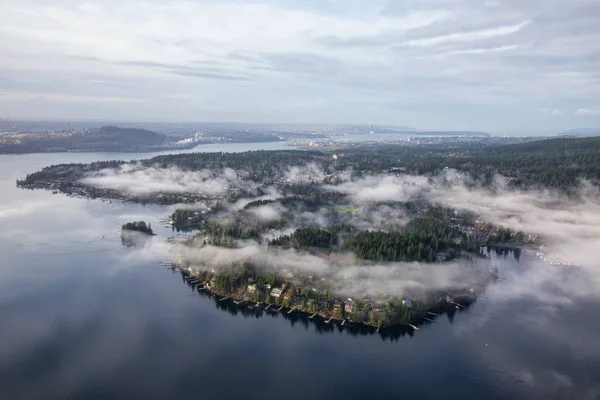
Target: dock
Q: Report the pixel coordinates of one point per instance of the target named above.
(224, 298)
(428, 319)
(292, 310)
(268, 306)
(343, 322)
(412, 326)
(329, 320)
(280, 308)
(312, 316)
(432, 313)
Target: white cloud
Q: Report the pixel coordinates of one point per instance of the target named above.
(587, 112)
(468, 36)
(550, 111)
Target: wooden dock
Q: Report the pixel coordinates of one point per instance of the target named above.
(292, 310)
(280, 308)
(224, 298)
(412, 326)
(432, 313)
(428, 319)
(312, 316)
(343, 322)
(329, 320)
(268, 306)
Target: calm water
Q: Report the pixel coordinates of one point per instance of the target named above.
(86, 318)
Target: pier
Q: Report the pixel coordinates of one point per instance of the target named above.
(292, 310)
(224, 298)
(412, 326)
(268, 306)
(329, 320)
(343, 322)
(312, 316)
(428, 319)
(280, 308)
(432, 313)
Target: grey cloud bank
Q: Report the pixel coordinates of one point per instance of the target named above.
(426, 64)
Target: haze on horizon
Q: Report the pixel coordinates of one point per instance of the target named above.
(503, 66)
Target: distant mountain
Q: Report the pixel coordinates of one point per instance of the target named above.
(581, 132)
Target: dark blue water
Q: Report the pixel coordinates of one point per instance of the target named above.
(87, 318)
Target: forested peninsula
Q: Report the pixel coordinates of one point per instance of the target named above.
(357, 210)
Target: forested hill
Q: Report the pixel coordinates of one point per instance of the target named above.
(128, 136)
(555, 163)
(558, 145)
(106, 138)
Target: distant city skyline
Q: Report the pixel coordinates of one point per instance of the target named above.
(499, 66)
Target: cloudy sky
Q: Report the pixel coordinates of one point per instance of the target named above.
(505, 66)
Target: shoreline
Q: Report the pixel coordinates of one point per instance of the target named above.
(329, 317)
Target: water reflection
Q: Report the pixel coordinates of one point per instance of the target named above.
(135, 239)
(504, 251)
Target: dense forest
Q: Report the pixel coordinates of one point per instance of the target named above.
(554, 163)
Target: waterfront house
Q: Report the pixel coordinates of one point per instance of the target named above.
(252, 288)
(349, 306)
(276, 292)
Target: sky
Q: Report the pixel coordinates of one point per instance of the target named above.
(502, 66)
